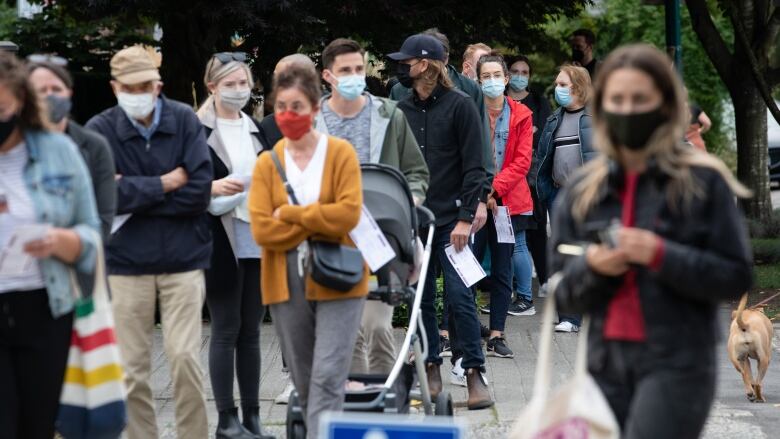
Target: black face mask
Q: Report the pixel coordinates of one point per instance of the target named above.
(403, 75)
(59, 107)
(633, 130)
(6, 128)
(577, 55)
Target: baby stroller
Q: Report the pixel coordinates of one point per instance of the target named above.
(387, 196)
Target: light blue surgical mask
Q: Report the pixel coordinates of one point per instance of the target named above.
(493, 88)
(563, 96)
(518, 82)
(350, 87)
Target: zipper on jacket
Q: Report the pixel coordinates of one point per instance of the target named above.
(544, 159)
(148, 145)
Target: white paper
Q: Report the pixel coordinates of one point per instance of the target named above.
(465, 265)
(503, 222)
(119, 221)
(371, 242)
(13, 259)
(245, 180)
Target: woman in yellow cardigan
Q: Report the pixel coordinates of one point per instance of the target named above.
(315, 325)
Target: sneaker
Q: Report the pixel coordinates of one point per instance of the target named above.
(566, 326)
(485, 309)
(284, 397)
(497, 347)
(521, 307)
(444, 346)
(458, 374)
(484, 331)
(542, 291)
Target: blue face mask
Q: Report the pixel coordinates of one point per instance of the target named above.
(493, 88)
(518, 82)
(350, 87)
(563, 96)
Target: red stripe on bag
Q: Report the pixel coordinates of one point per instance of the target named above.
(94, 341)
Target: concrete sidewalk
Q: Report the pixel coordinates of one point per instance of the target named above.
(511, 381)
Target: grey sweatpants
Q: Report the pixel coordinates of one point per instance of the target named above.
(316, 333)
(375, 346)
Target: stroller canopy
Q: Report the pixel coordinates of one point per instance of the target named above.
(387, 196)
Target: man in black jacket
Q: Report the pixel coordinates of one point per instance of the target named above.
(161, 242)
(447, 128)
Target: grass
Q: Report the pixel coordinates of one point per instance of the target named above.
(767, 284)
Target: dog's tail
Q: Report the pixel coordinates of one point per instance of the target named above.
(740, 308)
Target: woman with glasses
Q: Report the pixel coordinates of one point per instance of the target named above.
(233, 281)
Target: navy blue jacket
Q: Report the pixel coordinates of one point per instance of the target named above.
(167, 233)
(545, 153)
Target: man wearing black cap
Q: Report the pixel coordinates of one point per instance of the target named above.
(447, 128)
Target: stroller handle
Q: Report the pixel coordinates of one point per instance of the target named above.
(425, 217)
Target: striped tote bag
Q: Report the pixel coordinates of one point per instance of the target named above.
(93, 399)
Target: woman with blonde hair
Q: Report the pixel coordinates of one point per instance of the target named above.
(667, 243)
(233, 280)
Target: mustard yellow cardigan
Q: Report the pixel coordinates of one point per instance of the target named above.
(335, 214)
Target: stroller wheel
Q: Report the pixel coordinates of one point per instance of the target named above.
(444, 405)
(298, 432)
(296, 429)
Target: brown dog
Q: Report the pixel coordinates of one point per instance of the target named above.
(750, 337)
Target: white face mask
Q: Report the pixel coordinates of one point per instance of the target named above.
(136, 106)
(234, 100)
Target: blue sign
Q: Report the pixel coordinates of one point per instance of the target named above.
(365, 426)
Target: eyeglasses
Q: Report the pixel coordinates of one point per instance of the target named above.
(226, 57)
(46, 58)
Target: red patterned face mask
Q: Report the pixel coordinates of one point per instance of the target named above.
(293, 125)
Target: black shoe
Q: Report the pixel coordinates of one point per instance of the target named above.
(251, 421)
(484, 332)
(521, 307)
(497, 347)
(230, 428)
(444, 346)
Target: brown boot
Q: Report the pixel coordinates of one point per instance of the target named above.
(434, 379)
(479, 395)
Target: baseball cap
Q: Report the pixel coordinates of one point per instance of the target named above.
(420, 46)
(134, 65)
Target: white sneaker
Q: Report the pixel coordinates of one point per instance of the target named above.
(566, 327)
(458, 374)
(284, 397)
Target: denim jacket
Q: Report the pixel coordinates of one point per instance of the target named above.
(61, 190)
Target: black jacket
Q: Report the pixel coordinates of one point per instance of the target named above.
(168, 232)
(100, 162)
(269, 133)
(706, 260)
(448, 130)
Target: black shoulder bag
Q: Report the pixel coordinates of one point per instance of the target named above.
(330, 264)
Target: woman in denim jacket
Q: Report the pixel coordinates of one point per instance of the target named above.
(43, 181)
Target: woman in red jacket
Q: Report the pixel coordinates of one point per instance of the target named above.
(511, 128)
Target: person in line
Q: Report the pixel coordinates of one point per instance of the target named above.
(317, 326)
(564, 146)
(511, 125)
(233, 280)
(53, 83)
(653, 294)
(582, 43)
(380, 134)
(700, 123)
(43, 179)
(448, 130)
(163, 241)
(471, 57)
(536, 233)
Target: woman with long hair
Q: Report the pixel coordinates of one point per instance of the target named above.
(668, 243)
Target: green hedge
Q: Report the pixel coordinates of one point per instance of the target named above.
(766, 251)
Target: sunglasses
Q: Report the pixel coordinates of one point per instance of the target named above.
(45, 58)
(226, 57)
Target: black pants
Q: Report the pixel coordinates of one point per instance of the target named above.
(236, 315)
(536, 239)
(33, 355)
(651, 400)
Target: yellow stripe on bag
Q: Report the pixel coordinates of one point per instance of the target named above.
(109, 372)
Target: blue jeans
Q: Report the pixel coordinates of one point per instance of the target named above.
(463, 311)
(500, 272)
(521, 261)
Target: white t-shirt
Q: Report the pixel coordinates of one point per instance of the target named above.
(20, 211)
(241, 152)
(307, 183)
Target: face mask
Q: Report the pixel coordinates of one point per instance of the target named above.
(633, 130)
(350, 87)
(234, 100)
(563, 96)
(7, 127)
(518, 82)
(59, 107)
(136, 106)
(577, 55)
(493, 88)
(404, 75)
(293, 125)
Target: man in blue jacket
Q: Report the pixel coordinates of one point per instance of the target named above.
(161, 240)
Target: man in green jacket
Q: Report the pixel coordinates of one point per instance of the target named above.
(380, 134)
